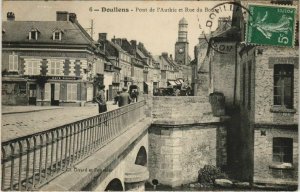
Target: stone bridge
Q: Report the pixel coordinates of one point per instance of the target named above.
(163, 138)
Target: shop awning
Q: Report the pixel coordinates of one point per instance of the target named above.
(178, 82)
(181, 81)
(172, 83)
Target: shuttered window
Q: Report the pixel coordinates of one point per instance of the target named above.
(32, 67)
(71, 92)
(13, 62)
(47, 96)
(57, 91)
(55, 67)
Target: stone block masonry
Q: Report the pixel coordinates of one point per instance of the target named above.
(264, 169)
(184, 137)
(174, 110)
(177, 154)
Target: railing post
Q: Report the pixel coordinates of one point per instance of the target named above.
(20, 165)
(34, 161)
(12, 167)
(46, 157)
(27, 166)
(3, 167)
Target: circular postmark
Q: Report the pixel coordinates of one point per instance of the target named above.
(215, 15)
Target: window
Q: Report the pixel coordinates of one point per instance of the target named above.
(13, 62)
(249, 84)
(22, 88)
(33, 67)
(55, 68)
(57, 35)
(283, 85)
(71, 92)
(283, 150)
(33, 35)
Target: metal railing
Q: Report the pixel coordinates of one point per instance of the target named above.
(31, 161)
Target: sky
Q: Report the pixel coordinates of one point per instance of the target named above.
(157, 30)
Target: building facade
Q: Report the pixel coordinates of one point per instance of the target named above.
(269, 108)
(47, 62)
(260, 85)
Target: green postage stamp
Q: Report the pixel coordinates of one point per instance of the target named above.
(271, 25)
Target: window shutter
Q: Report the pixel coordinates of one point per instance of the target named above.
(15, 62)
(47, 92)
(74, 92)
(10, 62)
(57, 91)
(68, 92)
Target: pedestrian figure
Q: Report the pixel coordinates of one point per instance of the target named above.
(124, 98)
(134, 95)
(177, 92)
(100, 99)
(117, 97)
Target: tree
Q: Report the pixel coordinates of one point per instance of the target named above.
(41, 81)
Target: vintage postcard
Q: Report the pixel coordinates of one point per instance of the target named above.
(150, 95)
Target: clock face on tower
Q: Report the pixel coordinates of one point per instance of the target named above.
(180, 50)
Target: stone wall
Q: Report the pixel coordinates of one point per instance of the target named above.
(263, 148)
(13, 95)
(223, 70)
(176, 154)
(183, 109)
(260, 123)
(264, 70)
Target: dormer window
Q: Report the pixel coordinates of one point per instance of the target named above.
(33, 34)
(57, 34)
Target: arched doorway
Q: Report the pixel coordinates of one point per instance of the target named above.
(114, 185)
(141, 158)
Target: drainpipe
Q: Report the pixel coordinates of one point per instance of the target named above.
(235, 75)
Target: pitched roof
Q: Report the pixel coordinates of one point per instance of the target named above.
(141, 54)
(116, 46)
(18, 31)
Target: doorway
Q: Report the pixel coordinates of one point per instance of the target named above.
(32, 94)
(55, 94)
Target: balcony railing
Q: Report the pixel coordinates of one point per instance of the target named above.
(29, 162)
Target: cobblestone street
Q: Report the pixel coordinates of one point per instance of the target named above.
(18, 121)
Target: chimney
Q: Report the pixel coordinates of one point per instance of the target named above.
(224, 23)
(119, 41)
(62, 16)
(72, 17)
(171, 57)
(102, 36)
(10, 16)
(133, 45)
(141, 45)
(164, 54)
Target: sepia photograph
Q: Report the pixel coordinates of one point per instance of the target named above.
(150, 95)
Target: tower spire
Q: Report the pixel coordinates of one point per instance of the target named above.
(182, 30)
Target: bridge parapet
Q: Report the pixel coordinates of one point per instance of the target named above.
(181, 110)
(31, 161)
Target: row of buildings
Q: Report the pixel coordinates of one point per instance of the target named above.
(260, 85)
(58, 63)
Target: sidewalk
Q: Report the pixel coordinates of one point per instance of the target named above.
(18, 121)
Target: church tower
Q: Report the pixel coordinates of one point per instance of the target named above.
(182, 44)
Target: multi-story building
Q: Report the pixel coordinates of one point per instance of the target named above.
(112, 68)
(47, 62)
(260, 85)
(136, 63)
(171, 72)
